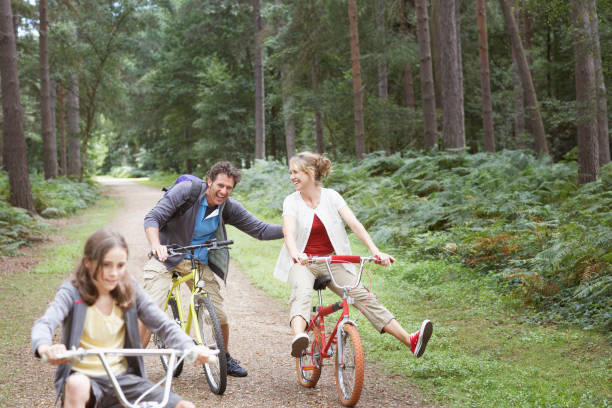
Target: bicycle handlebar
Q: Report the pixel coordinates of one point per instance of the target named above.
(361, 260)
(345, 259)
(190, 355)
(211, 245)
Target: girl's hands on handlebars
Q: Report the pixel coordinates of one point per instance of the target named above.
(48, 353)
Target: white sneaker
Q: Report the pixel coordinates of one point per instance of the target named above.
(299, 344)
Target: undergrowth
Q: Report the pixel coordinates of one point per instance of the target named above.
(523, 221)
(54, 198)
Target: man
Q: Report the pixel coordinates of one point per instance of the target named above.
(165, 224)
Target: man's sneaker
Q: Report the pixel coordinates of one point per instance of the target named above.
(299, 344)
(233, 368)
(418, 340)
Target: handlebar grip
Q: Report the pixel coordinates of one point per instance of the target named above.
(345, 259)
(224, 243)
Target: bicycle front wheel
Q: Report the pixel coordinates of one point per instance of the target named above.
(210, 330)
(349, 366)
(161, 344)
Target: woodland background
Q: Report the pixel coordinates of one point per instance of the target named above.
(483, 121)
(470, 137)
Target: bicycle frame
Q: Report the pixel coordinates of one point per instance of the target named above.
(198, 290)
(323, 311)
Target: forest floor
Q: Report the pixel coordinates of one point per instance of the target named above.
(259, 337)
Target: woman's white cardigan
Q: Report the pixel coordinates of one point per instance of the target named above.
(327, 211)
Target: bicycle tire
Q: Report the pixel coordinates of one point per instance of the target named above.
(349, 371)
(210, 330)
(161, 344)
(310, 358)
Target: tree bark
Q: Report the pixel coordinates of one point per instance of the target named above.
(435, 50)
(407, 80)
(600, 86)
(15, 154)
(356, 71)
(533, 110)
(316, 87)
(47, 127)
(289, 123)
(62, 127)
(52, 108)
(453, 118)
(485, 77)
(383, 89)
(428, 96)
(519, 96)
(74, 128)
(287, 95)
(586, 98)
(260, 117)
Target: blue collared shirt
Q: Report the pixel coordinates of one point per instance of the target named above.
(205, 229)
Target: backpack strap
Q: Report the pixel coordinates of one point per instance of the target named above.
(194, 193)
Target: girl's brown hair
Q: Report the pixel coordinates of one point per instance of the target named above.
(96, 248)
(317, 165)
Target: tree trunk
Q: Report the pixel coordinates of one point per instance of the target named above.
(485, 77)
(357, 91)
(62, 127)
(47, 127)
(260, 117)
(533, 111)
(435, 50)
(74, 128)
(15, 154)
(316, 87)
(428, 97)
(600, 86)
(519, 96)
(287, 85)
(586, 98)
(52, 108)
(287, 95)
(408, 82)
(383, 89)
(453, 118)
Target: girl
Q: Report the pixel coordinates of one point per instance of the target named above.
(312, 226)
(100, 308)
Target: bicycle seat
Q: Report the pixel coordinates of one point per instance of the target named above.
(321, 282)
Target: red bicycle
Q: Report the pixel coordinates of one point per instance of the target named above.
(348, 352)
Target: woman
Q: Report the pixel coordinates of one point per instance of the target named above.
(99, 308)
(312, 226)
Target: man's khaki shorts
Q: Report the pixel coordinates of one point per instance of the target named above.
(158, 281)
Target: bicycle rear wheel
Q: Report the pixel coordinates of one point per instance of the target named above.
(349, 366)
(161, 344)
(210, 330)
(309, 365)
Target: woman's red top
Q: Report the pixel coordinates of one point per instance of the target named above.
(318, 243)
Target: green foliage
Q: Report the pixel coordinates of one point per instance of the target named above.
(520, 219)
(55, 198)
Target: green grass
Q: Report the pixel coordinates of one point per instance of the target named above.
(24, 294)
(480, 354)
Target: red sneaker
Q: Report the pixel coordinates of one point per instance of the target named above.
(418, 340)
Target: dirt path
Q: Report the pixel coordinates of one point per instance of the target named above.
(259, 338)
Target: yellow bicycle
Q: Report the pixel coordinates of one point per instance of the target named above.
(200, 315)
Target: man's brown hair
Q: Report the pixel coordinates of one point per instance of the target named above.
(224, 167)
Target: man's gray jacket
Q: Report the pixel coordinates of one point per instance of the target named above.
(175, 228)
